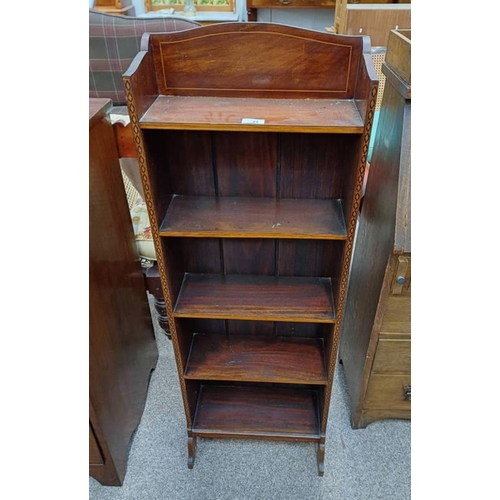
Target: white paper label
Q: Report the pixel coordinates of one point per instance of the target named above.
(252, 121)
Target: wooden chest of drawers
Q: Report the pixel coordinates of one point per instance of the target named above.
(375, 345)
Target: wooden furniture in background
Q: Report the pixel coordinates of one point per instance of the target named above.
(372, 18)
(123, 7)
(253, 5)
(252, 176)
(376, 333)
(201, 5)
(122, 347)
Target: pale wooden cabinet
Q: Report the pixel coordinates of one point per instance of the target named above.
(375, 343)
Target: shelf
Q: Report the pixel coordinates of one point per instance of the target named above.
(246, 358)
(227, 113)
(242, 411)
(264, 298)
(233, 217)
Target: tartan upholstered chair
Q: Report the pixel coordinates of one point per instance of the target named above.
(113, 42)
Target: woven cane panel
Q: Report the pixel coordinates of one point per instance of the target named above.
(378, 59)
(131, 192)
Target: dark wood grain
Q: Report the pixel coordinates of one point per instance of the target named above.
(309, 258)
(257, 359)
(258, 60)
(256, 297)
(254, 218)
(315, 92)
(122, 347)
(315, 165)
(247, 165)
(257, 412)
(280, 115)
(249, 256)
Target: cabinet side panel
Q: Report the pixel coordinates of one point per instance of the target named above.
(122, 347)
(374, 244)
(366, 96)
(133, 92)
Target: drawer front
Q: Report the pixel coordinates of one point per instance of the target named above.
(397, 316)
(267, 4)
(95, 457)
(392, 356)
(388, 392)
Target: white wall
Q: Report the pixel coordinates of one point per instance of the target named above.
(139, 7)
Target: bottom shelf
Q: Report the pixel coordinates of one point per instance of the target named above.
(257, 412)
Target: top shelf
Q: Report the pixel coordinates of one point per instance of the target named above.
(232, 113)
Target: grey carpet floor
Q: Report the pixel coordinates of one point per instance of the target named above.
(364, 464)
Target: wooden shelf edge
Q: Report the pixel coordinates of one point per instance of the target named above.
(255, 435)
(234, 354)
(168, 112)
(250, 128)
(246, 217)
(211, 296)
(220, 403)
(263, 316)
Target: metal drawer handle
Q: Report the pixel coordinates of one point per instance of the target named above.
(400, 280)
(407, 392)
(285, 2)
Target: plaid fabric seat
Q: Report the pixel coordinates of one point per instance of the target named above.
(113, 42)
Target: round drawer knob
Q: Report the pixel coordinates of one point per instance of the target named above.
(285, 2)
(400, 280)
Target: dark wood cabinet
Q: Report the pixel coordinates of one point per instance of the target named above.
(252, 143)
(122, 347)
(376, 337)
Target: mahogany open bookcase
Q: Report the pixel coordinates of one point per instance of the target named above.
(252, 141)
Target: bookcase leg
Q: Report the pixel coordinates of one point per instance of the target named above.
(191, 451)
(321, 459)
